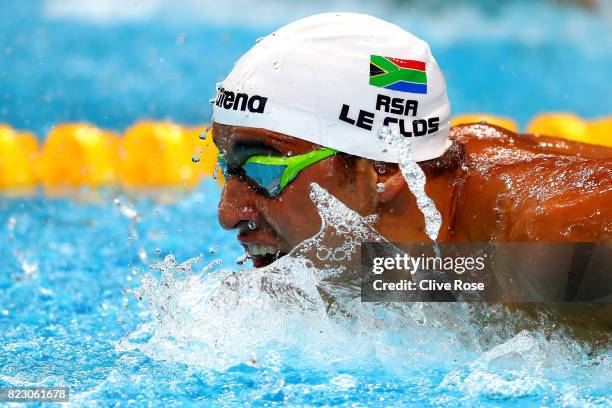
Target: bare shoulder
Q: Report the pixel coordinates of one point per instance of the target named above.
(527, 188)
(486, 141)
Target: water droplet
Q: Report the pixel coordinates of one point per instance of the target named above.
(380, 187)
(212, 250)
(203, 135)
(276, 65)
(371, 219)
(257, 41)
(415, 178)
(11, 223)
(195, 159)
(158, 250)
(252, 225)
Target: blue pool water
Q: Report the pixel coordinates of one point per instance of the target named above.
(71, 316)
(70, 60)
(72, 268)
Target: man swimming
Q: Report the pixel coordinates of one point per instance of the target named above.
(305, 105)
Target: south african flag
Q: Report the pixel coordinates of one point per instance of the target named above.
(398, 74)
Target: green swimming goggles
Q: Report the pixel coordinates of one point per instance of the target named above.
(274, 173)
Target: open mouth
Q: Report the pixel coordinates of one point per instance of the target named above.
(263, 255)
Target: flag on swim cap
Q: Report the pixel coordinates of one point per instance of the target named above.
(336, 79)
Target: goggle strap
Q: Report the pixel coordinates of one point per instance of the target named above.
(298, 163)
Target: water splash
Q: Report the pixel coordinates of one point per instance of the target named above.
(128, 211)
(216, 170)
(219, 318)
(305, 310)
(415, 178)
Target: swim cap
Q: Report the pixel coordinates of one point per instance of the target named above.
(335, 79)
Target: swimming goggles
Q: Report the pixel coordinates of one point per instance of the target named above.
(274, 173)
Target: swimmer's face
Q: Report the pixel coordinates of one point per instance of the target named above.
(281, 223)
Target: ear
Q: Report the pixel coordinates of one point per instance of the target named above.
(393, 183)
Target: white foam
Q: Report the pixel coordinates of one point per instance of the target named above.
(308, 312)
(221, 318)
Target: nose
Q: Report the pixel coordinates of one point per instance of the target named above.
(238, 204)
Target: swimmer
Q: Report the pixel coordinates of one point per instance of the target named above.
(305, 105)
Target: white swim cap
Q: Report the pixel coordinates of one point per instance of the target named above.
(336, 79)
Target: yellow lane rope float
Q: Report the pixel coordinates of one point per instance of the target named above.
(154, 154)
(572, 127)
(164, 154)
(600, 131)
(17, 154)
(78, 154)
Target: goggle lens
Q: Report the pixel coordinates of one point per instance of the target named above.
(264, 176)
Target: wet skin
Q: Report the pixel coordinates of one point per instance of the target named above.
(285, 221)
(526, 188)
(522, 188)
(508, 188)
